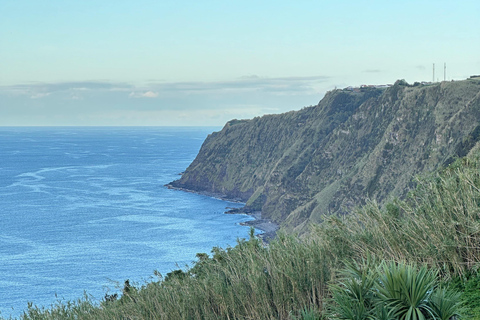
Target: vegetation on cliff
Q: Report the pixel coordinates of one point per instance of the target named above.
(353, 146)
(428, 241)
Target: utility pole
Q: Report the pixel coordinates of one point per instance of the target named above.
(444, 71)
(433, 77)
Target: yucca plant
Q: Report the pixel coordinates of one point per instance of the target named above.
(445, 303)
(391, 291)
(308, 313)
(354, 295)
(406, 291)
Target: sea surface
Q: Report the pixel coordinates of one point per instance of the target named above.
(82, 209)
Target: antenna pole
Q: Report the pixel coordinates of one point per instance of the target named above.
(444, 71)
(433, 78)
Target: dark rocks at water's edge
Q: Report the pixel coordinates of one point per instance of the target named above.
(355, 145)
(204, 193)
(269, 228)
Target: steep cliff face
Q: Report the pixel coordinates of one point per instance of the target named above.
(325, 159)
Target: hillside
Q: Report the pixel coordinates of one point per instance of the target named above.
(354, 145)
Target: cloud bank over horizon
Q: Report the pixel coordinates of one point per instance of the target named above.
(156, 103)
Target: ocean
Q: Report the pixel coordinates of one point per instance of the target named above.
(82, 209)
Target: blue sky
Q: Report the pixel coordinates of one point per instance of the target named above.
(142, 62)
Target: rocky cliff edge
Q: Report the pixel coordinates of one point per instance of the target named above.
(356, 144)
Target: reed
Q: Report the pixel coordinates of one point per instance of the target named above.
(438, 224)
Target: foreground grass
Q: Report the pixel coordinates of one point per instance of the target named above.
(248, 281)
(437, 227)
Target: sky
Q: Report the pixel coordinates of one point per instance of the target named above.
(202, 63)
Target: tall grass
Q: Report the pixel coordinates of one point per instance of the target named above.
(438, 225)
(249, 281)
(245, 282)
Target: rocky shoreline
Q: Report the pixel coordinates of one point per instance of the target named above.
(269, 228)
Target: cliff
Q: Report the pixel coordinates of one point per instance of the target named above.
(328, 158)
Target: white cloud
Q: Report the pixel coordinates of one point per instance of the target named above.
(148, 94)
(252, 83)
(40, 95)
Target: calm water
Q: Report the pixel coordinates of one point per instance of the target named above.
(85, 209)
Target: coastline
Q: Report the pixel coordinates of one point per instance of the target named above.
(269, 228)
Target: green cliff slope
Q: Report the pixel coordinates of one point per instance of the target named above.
(326, 159)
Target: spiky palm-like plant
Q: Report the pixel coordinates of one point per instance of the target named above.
(445, 303)
(353, 296)
(391, 291)
(406, 291)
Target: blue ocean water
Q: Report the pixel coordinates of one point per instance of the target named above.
(84, 209)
